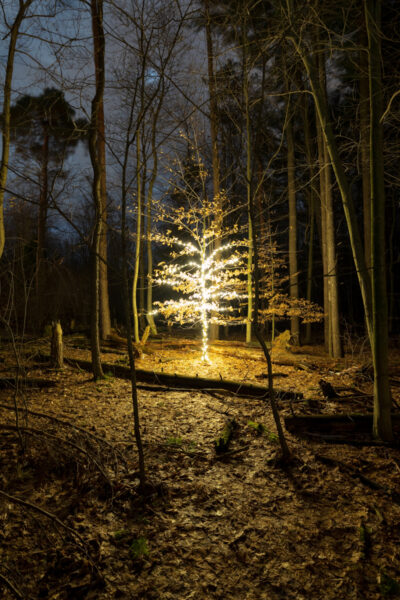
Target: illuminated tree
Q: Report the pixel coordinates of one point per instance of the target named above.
(211, 280)
(208, 281)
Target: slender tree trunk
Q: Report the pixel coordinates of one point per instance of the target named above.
(105, 319)
(343, 183)
(379, 342)
(392, 264)
(96, 7)
(331, 297)
(150, 318)
(138, 239)
(364, 146)
(43, 209)
(324, 253)
(245, 75)
(311, 201)
(261, 229)
(375, 303)
(214, 328)
(128, 312)
(142, 264)
(128, 309)
(334, 343)
(271, 395)
(335, 346)
(293, 267)
(5, 132)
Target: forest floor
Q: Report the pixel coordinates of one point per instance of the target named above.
(238, 526)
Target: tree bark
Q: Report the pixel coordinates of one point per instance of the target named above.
(311, 201)
(138, 238)
(105, 319)
(96, 7)
(322, 208)
(214, 327)
(382, 398)
(128, 309)
(149, 311)
(43, 209)
(335, 346)
(5, 132)
(364, 146)
(293, 266)
(248, 178)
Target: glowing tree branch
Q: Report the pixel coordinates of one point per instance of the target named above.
(209, 284)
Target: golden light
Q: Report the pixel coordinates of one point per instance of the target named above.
(208, 284)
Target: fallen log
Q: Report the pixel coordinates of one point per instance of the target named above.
(248, 354)
(330, 424)
(179, 381)
(282, 362)
(12, 382)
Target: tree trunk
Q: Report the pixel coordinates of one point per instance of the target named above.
(322, 203)
(214, 328)
(375, 303)
(142, 263)
(364, 146)
(96, 7)
(271, 390)
(334, 342)
(335, 346)
(5, 132)
(149, 311)
(311, 201)
(42, 217)
(379, 342)
(245, 75)
(343, 183)
(138, 238)
(293, 267)
(128, 310)
(105, 319)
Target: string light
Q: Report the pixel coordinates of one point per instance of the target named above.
(208, 283)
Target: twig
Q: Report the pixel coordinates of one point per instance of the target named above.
(39, 432)
(221, 412)
(178, 450)
(44, 512)
(73, 426)
(327, 460)
(11, 587)
(231, 453)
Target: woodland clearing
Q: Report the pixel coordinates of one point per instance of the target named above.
(236, 525)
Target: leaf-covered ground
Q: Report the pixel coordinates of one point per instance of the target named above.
(238, 527)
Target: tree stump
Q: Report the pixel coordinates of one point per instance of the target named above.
(57, 351)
